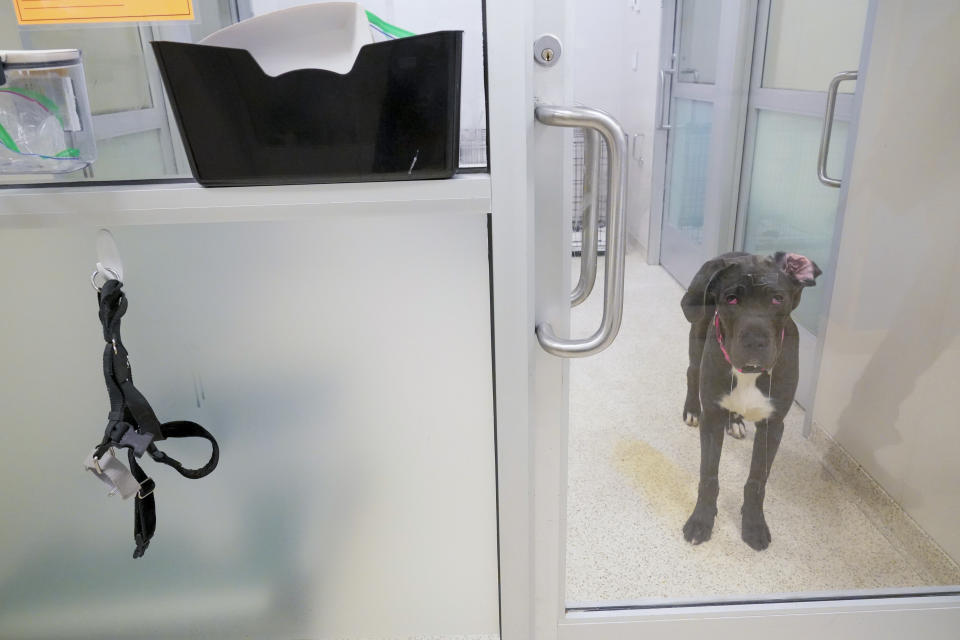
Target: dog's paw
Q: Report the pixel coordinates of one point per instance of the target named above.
(736, 428)
(691, 411)
(698, 528)
(755, 531)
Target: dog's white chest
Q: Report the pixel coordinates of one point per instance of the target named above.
(746, 399)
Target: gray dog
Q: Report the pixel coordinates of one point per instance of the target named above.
(744, 350)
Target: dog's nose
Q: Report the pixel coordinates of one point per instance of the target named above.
(755, 340)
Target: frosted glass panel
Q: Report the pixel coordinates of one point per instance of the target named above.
(810, 41)
(699, 31)
(135, 156)
(689, 160)
(113, 63)
(135, 141)
(344, 366)
(130, 157)
(789, 208)
(211, 16)
(113, 54)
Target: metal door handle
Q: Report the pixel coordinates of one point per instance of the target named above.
(828, 127)
(591, 217)
(616, 141)
(663, 94)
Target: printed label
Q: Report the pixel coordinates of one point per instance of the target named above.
(66, 11)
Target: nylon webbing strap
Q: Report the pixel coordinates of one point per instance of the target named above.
(132, 425)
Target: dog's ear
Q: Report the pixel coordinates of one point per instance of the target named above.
(801, 269)
(700, 301)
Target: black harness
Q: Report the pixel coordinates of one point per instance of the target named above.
(132, 424)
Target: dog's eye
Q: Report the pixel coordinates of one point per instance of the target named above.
(777, 299)
(732, 298)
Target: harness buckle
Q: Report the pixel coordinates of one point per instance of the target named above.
(96, 461)
(113, 473)
(137, 441)
(150, 486)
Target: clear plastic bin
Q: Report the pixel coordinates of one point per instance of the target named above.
(45, 122)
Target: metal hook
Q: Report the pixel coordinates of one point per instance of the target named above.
(109, 264)
(107, 273)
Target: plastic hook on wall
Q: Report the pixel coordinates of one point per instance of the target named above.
(109, 263)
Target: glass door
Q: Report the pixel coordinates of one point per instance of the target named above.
(694, 115)
(800, 47)
(617, 520)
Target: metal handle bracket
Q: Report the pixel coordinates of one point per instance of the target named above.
(827, 131)
(591, 217)
(616, 141)
(664, 109)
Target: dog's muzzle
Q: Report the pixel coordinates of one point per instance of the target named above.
(750, 367)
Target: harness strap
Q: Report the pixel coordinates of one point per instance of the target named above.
(144, 508)
(132, 423)
(185, 429)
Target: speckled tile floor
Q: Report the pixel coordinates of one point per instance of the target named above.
(633, 470)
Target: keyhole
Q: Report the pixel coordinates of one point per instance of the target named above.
(547, 50)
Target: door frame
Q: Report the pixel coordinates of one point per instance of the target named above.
(728, 97)
(532, 404)
(803, 103)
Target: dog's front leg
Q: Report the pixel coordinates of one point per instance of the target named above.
(754, 529)
(700, 524)
(691, 406)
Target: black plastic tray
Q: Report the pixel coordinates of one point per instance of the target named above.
(394, 116)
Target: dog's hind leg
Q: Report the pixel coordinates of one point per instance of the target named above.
(699, 526)
(691, 407)
(754, 530)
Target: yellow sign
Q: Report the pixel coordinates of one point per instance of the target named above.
(64, 11)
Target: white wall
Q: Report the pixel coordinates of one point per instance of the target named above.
(608, 35)
(888, 382)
